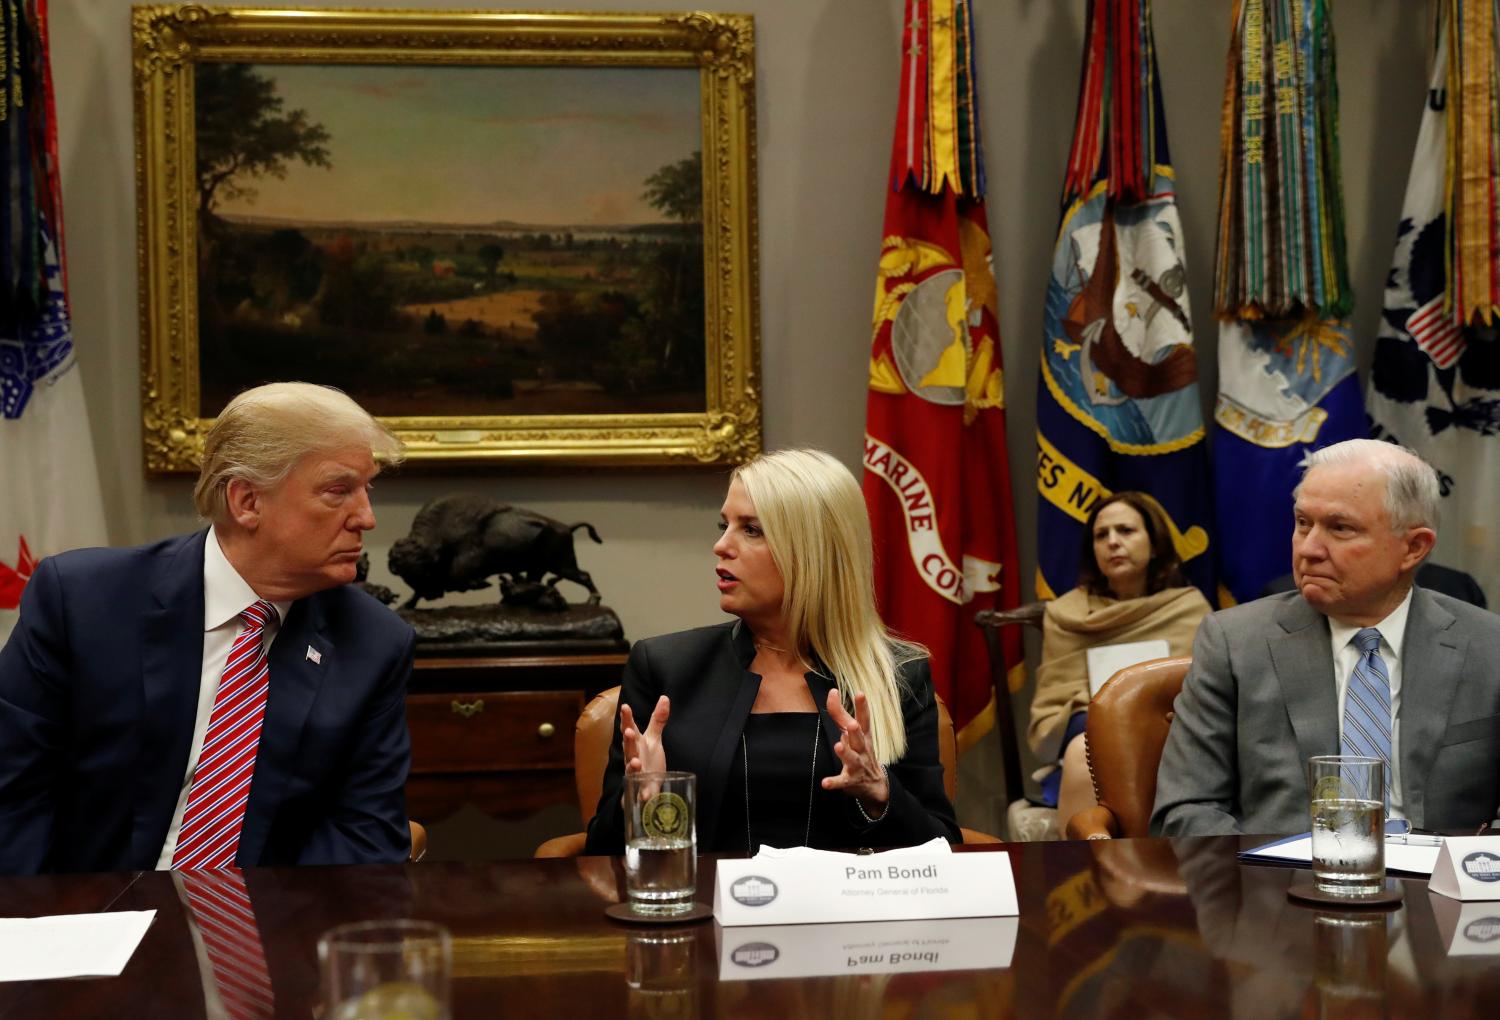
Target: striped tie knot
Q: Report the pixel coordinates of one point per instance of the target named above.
(259, 614)
(1368, 640)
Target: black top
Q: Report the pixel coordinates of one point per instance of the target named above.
(781, 788)
(706, 674)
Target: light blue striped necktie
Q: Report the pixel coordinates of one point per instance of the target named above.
(1367, 706)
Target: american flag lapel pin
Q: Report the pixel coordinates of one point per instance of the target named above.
(314, 656)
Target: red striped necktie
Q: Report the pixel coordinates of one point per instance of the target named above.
(215, 813)
(220, 905)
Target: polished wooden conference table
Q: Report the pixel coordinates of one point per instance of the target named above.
(1128, 928)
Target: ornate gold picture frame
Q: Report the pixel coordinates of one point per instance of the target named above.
(515, 237)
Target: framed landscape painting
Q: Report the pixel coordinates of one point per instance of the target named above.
(512, 237)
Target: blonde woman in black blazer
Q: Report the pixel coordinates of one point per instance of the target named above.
(805, 721)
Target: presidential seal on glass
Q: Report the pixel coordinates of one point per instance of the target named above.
(661, 842)
(1348, 824)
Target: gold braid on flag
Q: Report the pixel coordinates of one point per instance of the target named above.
(1473, 180)
(1281, 250)
(952, 140)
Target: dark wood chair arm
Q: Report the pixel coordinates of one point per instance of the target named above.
(570, 845)
(972, 836)
(1031, 613)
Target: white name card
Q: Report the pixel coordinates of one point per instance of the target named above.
(1467, 929)
(1468, 868)
(888, 947)
(846, 887)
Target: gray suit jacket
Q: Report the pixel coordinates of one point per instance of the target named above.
(1261, 699)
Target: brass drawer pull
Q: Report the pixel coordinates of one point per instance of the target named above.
(468, 709)
(545, 730)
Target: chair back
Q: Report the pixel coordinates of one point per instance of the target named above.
(1127, 729)
(947, 749)
(596, 728)
(993, 621)
(591, 739)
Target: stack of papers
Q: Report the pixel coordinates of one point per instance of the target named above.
(1402, 853)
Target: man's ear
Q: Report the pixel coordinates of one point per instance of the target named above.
(1419, 542)
(243, 501)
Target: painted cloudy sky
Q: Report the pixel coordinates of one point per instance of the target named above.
(564, 146)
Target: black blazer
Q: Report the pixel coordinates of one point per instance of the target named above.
(706, 674)
(99, 691)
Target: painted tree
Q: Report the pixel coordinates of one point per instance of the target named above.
(244, 132)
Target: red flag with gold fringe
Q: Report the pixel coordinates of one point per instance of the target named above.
(937, 479)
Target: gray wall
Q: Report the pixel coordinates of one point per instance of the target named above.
(826, 96)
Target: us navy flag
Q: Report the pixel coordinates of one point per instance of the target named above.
(1117, 403)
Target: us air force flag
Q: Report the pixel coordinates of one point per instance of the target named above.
(1435, 384)
(1285, 387)
(1282, 294)
(1117, 406)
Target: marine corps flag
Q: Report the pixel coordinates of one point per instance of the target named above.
(49, 487)
(1435, 381)
(937, 480)
(1117, 402)
(1282, 294)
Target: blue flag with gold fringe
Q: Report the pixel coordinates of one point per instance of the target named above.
(1287, 383)
(1117, 403)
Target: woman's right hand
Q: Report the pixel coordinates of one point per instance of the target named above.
(644, 751)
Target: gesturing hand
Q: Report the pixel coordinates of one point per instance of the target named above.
(644, 751)
(862, 775)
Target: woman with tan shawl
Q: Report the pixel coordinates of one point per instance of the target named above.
(1130, 588)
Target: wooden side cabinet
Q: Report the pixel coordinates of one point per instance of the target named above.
(497, 732)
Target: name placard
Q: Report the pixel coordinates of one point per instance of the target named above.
(845, 887)
(1468, 868)
(888, 947)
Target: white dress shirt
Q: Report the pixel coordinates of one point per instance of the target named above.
(225, 597)
(1346, 656)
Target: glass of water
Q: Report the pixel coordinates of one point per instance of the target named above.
(661, 842)
(1348, 824)
(383, 970)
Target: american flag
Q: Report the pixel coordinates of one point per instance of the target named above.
(1436, 333)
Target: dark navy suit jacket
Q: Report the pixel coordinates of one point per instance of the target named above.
(98, 696)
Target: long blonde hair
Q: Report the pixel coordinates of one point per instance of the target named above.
(816, 525)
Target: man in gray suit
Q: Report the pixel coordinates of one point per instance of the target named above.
(1356, 658)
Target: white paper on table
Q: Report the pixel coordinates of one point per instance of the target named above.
(1107, 660)
(70, 945)
(1411, 859)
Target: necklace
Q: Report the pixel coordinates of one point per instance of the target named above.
(812, 785)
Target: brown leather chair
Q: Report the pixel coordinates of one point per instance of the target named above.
(595, 730)
(418, 841)
(1127, 729)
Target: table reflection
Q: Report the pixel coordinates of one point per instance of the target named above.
(661, 969)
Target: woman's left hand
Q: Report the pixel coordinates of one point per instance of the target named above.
(862, 775)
